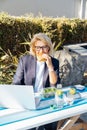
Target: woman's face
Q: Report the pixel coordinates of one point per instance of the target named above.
(40, 49)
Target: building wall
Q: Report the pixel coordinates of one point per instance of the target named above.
(54, 8)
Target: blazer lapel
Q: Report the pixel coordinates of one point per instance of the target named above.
(45, 75)
(32, 69)
(33, 66)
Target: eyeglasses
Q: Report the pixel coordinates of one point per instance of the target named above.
(38, 48)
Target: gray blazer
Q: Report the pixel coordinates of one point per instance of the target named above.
(26, 71)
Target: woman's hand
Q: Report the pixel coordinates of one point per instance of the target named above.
(52, 73)
(48, 61)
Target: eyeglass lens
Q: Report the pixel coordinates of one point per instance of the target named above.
(41, 47)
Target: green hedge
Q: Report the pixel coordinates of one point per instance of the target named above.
(16, 30)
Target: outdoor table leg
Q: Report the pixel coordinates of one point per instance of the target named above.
(67, 123)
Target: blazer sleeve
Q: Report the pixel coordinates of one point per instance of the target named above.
(18, 78)
(56, 68)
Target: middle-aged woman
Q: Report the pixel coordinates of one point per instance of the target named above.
(38, 68)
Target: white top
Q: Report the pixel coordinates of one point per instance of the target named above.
(39, 76)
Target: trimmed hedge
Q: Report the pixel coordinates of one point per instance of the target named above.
(16, 30)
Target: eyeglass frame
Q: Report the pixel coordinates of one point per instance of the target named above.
(38, 48)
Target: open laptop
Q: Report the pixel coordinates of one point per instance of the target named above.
(22, 97)
(17, 96)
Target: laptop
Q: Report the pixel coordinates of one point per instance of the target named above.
(22, 97)
(17, 96)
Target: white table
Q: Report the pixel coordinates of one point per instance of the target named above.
(41, 119)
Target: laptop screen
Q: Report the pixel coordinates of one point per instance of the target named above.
(17, 96)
